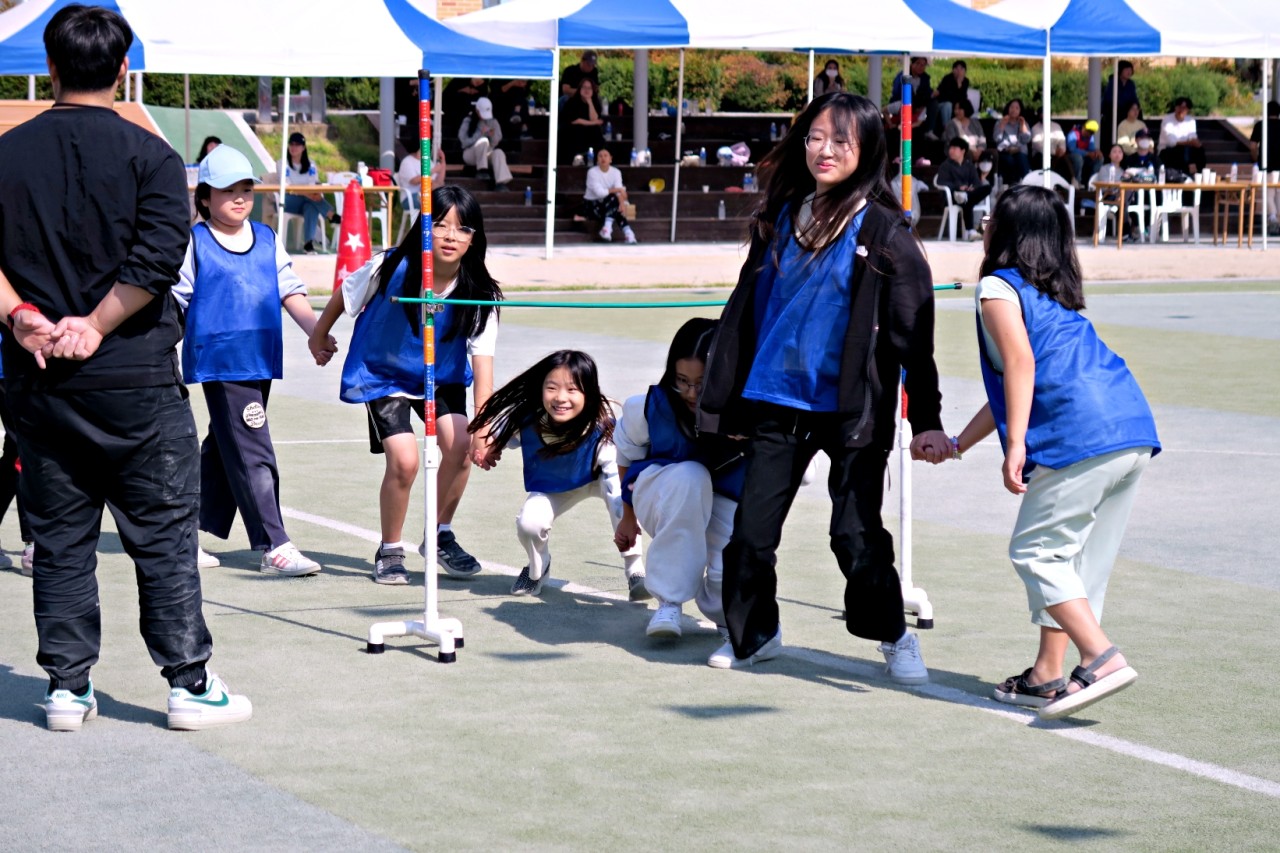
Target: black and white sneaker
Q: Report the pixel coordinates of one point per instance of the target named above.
(388, 566)
(526, 585)
(455, 561)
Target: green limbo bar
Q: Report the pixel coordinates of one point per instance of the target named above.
(527, 303)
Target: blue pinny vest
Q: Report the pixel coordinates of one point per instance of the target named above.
(386, 356)
(233, 332)
(669, 444)
(561, 473)
(1085, 401)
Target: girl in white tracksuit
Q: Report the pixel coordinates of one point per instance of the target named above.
(555, 413)
(681, 488)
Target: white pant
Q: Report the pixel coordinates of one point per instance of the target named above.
(690, 526)
(1069, 529)
(540, 510)
(483, 156)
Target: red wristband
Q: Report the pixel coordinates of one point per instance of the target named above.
(22, 306)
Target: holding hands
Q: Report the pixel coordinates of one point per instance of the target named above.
(933, 447)
(323, 347)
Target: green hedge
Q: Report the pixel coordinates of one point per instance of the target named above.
(753, 82)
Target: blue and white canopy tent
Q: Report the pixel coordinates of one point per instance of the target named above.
(891, 26)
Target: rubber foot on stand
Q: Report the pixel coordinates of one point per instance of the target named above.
(458, 643)
(924, 624)
(375, 648)
(448, 657)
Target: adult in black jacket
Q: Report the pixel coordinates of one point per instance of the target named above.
(835, 298)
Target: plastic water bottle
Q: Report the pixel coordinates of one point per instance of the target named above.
(608, 130)
(684, 106)
(528, 196)
(532, 105)
(702, 156)
(748, 183)
(1161, 173)
(591, 157)
(648, 157)
(720, 210)
(773, 131)
(1235, 172)
(635, 158)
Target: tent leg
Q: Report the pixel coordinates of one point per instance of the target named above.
(675, 178)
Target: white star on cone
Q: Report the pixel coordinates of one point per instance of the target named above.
(354, 243)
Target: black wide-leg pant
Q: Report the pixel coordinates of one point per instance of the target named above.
(782, 444)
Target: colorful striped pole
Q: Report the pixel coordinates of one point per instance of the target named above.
(906, 141)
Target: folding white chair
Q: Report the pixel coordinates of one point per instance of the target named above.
(951, 212)
(1167, 203)
(1056, 182)
(409, 209)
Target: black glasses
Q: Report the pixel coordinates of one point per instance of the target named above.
(684, 386)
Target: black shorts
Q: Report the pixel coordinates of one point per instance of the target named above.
(389, 416)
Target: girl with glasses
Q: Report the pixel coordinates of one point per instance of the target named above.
(384, 370)
(834, 300)
(555, 413)
(681, 487)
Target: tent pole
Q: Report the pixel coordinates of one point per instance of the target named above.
(675, 178)
(1262, 153)
(810, 75)
(31, 87)
(137, 87)
(1046, 118)
(1115, 101)
(553, 141)
(437, 111)
(284, 155)
(186, 114)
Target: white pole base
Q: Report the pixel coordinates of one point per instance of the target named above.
(916, 601)
(445, 633)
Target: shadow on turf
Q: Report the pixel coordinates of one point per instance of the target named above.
(20, 697)
(1072, 833)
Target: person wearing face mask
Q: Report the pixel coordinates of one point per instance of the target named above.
(1144, 156)
(829, 80)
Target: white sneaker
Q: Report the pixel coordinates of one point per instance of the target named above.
(606, 234)
(629, 235)
(205, 560)
(217, 706)
(287, 560)
(28, 558)
(723, 657)
(971, 236)
(665, 621)
(903, 663)
(64, 711)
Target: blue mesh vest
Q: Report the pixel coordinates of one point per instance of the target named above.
(233, 328)
(561, 473)
(669, 444)
(1085, 403)
(385, 355)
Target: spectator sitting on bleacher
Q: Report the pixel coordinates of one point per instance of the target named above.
(1180, 146)
(582, 121)
(1269, 160)
(571, 78)
(1082, 148)
(210, 143)
(511, 106)
(1115, 171)
(829, 80)
(459, 96)
(964, 126)
(1127, 130)
(299, 170)
(951, 90)
(960, 175)
(480, 134)
(409, 175)
(1011, 136)
(605, 197)
(921, 91)
(1057, 143)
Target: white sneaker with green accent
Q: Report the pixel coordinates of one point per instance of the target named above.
(64, 711)
(287, 560)
(216, 706)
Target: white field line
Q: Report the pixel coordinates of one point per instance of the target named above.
(1172, 760)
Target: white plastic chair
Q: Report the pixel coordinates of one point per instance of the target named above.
(380, 214)
(953, 211)
(1106, 211)
(975, 98)
(1036, 177)
(408, 210)
(1167, 203)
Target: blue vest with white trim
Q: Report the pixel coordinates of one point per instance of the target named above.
(234, 332)
(1085, 402)
(386, 357)
(669, 444)
(560, 473)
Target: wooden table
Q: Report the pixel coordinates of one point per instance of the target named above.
(388, 199)
(1222, 191)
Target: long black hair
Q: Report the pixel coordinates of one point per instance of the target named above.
(204, 147)
(822, 75)
(519, 403)
(304, 162)
(474, 280)
(784, 171)
(1031, 230)
(692, 340)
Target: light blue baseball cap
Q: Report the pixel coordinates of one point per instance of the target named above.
(224, 166)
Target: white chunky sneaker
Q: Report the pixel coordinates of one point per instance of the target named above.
(723, 657)
(665, 621)
(205, 560)
(216, 706)
(903, 663)
(64, 711)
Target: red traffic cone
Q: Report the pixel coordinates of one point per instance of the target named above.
(353, 237)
